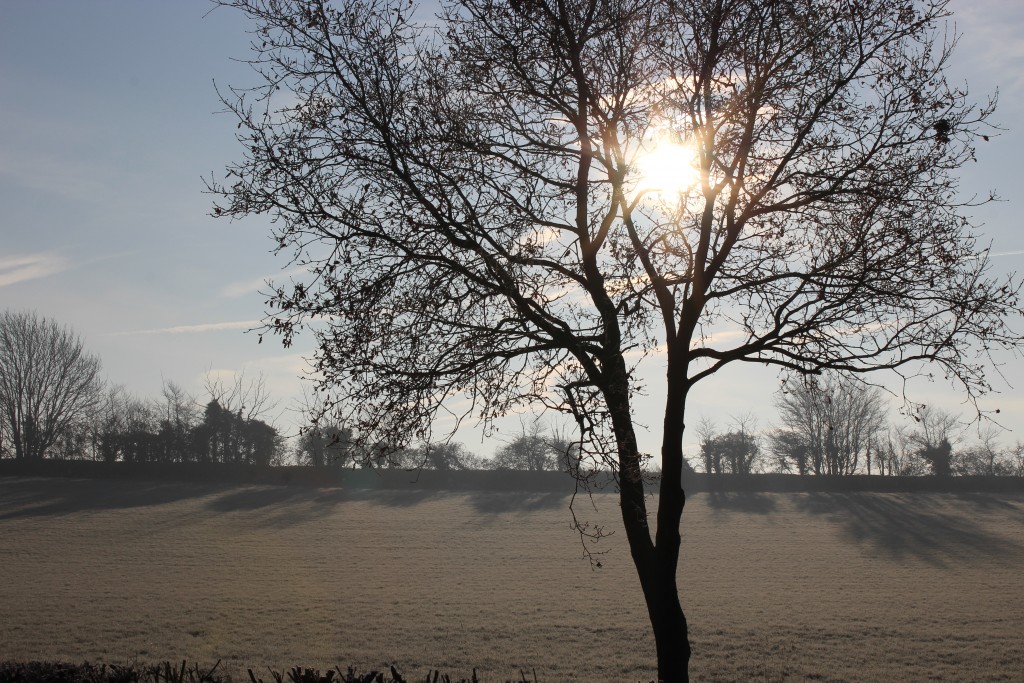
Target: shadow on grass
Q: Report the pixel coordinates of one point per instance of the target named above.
(43, 497)
(275, 505)
(53, 497)
(497, 502)
(929, 527)
(286, 506)
(278, 506)
(992, 503)
(748, 501)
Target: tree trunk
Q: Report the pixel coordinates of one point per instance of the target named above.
(671, 637)
(671, 634)
(656, 568)
(657, 560)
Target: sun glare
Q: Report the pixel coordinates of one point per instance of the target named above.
(670, 170)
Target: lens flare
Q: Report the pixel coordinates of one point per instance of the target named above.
(670, 170)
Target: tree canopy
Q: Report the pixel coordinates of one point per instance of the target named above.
(482, 203)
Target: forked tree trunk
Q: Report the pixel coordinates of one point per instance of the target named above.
(657, 562)
(656, 568)
(656, 559)
(671, 634)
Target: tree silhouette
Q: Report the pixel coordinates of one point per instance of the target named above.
(936, 431)
(443, 456)
(48, 383)
(178, 415)
(828, 424)
(475, 198)
(231, 437)
(325, 445)
(531, 451)
(732, 452)
(939, 458)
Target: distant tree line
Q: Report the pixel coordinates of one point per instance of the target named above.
(54, 404)
(534, 449)
(177, 428)
(836, 425)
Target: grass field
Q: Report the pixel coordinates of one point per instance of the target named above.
(778, 587)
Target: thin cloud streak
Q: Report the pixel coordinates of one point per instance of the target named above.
(197, 329)
(30, 267)
(233, 290)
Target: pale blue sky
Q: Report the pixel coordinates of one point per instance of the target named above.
(108, 124)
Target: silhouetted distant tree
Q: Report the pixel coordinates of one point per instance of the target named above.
(568, 452)
(328, 445)
(247, 396)
(939, 458)
(896, 454)
(72, 443)
(107, 424)
(733, 452)
(125, 427)
(532, 450)
(986, 457)
(791, 451)
(229, 437)
(139, 441)
(475, 197)
(935, 434)
(48, 384)
(231, 430)
(828, 424)
(1015, 460)
(443, 456)
(259, 443)
(177, 416)
(212, 435)
(937, 444)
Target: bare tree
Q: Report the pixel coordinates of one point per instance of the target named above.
(734, 452)
(445, 456)
(478, 201)
(790, 450)
(108, 423)
(898, 456)
(935, 436)
(1015, 460)
(984, 457)
(828, 424)
(323, 445)
(938, 445)
(247, 397)
(567, 451)
(139, 441)
(178, 415)
(48, 383)
(532, 449)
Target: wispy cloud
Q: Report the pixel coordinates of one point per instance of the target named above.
(233, 290)
(14, 269)
(1018, 252)
(198, 329)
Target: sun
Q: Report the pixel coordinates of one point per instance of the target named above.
(670, 170)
